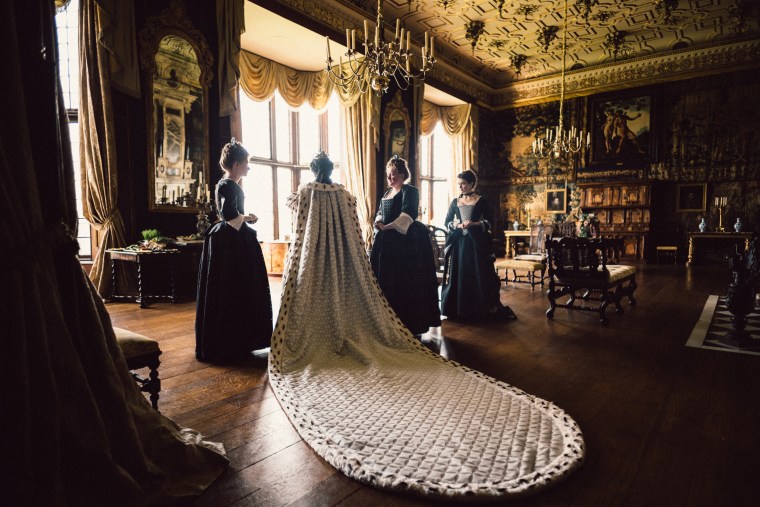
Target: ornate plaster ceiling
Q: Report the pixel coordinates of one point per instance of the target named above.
(513, 27)
(657, 40)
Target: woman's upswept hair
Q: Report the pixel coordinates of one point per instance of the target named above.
(400, 165)
(469, 176)
(232, 152)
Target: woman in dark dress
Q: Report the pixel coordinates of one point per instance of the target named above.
(402, 255)
(234, 307)
(470, 284)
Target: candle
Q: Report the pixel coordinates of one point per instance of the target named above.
(353, 40)
(208, 196)
(427, 43)
(173, 196)
(716, 201)
(401, 39)
(432, 47)
(348, 38)
(398, 29)
(588, 139)
(328, 48)
(366, 31)
(407, 41)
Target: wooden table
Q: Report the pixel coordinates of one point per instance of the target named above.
(508, 235)
(160, 258)
(730, 236)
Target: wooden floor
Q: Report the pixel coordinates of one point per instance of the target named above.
(664, 424)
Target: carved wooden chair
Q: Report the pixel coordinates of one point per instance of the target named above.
(578, 269)
(141, 352)
(531, 266)
(438, 240)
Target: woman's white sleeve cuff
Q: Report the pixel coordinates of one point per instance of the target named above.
(401, 224)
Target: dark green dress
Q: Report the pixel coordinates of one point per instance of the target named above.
(470, 283)
(404, 264)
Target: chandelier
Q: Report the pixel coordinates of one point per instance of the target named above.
(558, 141)
(380, 60)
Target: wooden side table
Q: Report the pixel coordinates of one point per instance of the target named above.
(508, 235)
(145, 260)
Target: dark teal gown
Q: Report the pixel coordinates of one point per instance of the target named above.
(404, 264)
(234, 305)
(470, 284)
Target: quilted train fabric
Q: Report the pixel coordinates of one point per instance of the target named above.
(379, 406)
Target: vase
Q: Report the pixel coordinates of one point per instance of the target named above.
(738, 225)
(702, 226)
(516, 225)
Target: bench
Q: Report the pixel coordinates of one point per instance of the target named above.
(528, 263)
(579, 266)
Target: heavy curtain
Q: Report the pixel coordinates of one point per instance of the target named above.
(360, 119)
(77, 429)
(97, 148)
(459, 123)
(230, 22)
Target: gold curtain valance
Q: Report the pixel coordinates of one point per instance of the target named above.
(260, 77)
(454, 118)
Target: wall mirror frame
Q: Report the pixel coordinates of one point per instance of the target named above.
(178, 68)
(397, 128)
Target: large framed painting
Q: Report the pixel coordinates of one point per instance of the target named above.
(621, 129)
(396, 129)
(555, 200)
(691, 197)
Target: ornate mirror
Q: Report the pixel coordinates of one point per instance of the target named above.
(396, 128)
(178, 64)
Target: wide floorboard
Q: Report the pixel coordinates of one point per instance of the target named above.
(664, 424)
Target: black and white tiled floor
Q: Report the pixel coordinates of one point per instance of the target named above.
(715, 323)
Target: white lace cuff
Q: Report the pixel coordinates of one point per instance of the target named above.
(401, 224)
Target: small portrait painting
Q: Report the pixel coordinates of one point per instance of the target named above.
(555, 200)
(691, 197)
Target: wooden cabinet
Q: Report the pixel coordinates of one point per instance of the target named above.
(274, 255)
(623, 210)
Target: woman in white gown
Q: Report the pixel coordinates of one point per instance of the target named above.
(373, 401)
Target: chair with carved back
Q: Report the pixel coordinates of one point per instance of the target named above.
(438, 240)
(578, 269)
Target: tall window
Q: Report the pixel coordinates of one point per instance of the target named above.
(282, 143)
(435, 168)
(67, 29)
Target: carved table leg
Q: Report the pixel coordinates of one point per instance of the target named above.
(140, 292)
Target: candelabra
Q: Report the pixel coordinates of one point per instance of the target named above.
(558, 140)
(720, 203)
(381, 61)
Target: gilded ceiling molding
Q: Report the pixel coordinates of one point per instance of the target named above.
(341, 15)
(642, 71)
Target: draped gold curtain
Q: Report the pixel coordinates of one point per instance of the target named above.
(77, 427)
(459, 123)
(360, 118)
(97, 148)
(230, 22)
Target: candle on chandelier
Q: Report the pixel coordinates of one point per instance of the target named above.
(717, 200)
(348, 38)
(401, 39)
(432, 47)
(407, 41)
(427, 43)
(725, 201)
(588, 139)
(328, 48)
(366, 31)
(398, 29)
(353, 40)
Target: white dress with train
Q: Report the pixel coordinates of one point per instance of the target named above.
(374, 402)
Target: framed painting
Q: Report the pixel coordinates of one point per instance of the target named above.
(555, 201)
(691, 197)
(621, 129)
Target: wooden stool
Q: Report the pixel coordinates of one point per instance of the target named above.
(530, 263)
(667, 250)
(141, 352)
